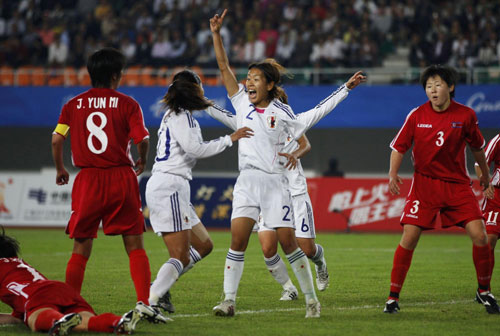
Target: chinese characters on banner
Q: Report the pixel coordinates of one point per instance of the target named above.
(360, 204)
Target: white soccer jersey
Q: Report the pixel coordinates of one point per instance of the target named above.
(272, 126)
(296, 177)
(180, 144)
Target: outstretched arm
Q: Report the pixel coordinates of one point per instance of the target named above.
(220, 53)
(222, 115)
(313, 116)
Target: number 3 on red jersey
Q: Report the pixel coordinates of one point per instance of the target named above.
(440, 139)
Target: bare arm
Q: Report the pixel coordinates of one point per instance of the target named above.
(484, 176)
(142, 149)
(394, 179)
(9, 319)
(303, 149)
(62, 176)
(220, 53)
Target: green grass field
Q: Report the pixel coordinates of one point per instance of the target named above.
(437, 298)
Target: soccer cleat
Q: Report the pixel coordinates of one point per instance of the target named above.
(313, 308)
(127, 323)
(391, 306)
(225, 308)
(165, 303)
(489, 302)
(322, 277)
(151, 314)
(64, 325)
(289, 294)
(478, 298)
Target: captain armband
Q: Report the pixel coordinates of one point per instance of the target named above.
(62, 129)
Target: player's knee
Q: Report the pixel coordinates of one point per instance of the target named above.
(206, 248)
(309, 251)
(269, 251)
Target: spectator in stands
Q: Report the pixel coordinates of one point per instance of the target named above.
(285, 48)
(58, 52)
(441, 51)
(161, 48)
(178, 48)
(129, 49)
(255, 50)
(269, 35)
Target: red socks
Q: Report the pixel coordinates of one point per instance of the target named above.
(481, 256)
(141, 274)
(103, 323)
(46, 319)
(400, 266)
(75, 271)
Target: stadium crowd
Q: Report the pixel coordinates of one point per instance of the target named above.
(300, 33)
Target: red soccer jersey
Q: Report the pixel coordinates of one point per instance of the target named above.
(101, 123)
(439, 140)
(493, 155)
(18, 281)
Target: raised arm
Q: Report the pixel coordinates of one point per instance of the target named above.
(314, 115)
(222, 61)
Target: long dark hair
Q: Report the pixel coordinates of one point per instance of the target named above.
(448, 74)
(185, 93)
(103, 65)
(273, 71)
(9, 247)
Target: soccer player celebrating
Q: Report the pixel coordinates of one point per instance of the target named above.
(261, 185)
(439, 131)
(46, 305)
(491, 203)
(102, 121)
(172, 215)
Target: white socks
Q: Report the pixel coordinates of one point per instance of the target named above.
(194, 257)
(318, 258)
(302, 270)
(233, 270)
(278, 270)
(166, 277)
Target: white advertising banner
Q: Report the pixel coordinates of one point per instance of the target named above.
(34, 199)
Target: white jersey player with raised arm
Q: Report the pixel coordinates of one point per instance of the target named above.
(297, 185)
(180, 144)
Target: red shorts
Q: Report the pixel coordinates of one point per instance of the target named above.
(109, 195)
(491, 210)
(56, 295)
(454, 202)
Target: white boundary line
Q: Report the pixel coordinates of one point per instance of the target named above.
(265, 311)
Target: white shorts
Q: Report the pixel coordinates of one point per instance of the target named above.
(167, 198)
(256, 191)
(303, 217)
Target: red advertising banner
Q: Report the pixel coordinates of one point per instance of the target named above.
(361, 204)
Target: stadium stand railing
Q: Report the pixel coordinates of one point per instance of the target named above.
(162, 76)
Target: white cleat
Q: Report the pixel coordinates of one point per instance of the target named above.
(127, 323)
(313, 308)
(322, 277)
(152, 314)
(225, 308)
(65, 324)
(289, 294)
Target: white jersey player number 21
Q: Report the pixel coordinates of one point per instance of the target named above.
(97, 132)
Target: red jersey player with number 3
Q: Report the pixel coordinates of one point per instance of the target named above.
(439, 130)
(102, 121)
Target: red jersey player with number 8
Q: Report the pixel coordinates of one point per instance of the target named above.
(102, 121)
(439, 131)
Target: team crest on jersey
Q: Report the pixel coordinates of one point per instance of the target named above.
(456, 124)
(271, 122)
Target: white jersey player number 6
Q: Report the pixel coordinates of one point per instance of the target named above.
(97, 132)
